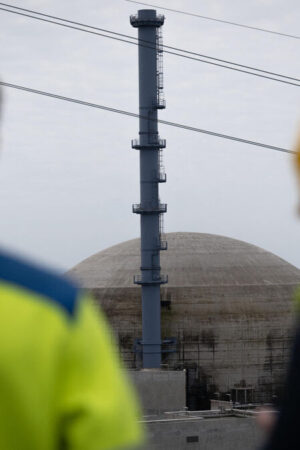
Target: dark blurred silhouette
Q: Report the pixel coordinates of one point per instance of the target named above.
(284, 427)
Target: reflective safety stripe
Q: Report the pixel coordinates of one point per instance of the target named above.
(44, 283)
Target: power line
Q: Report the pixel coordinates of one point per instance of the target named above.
(165, 51)
(67, 21)
(131, 114)
(217, 20)
(147, 42)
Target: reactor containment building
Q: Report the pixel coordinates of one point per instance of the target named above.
(226, 313)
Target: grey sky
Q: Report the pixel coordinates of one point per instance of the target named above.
(67, 173)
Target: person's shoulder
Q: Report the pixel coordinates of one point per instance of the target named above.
(43, 282)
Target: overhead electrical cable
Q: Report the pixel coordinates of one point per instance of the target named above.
(131, 114)
(147, 42)
(216, 20)
(165, 51)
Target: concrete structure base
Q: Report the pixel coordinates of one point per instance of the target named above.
(215, 433)
(160, 390)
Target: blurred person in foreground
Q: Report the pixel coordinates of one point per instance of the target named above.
(61, 385)
(284, 428)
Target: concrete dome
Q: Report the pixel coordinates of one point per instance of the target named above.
(227, 306)
(192, 259)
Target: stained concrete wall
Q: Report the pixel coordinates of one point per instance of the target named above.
(226, 433)
(229, 335)
(227, 304)
(160, 390)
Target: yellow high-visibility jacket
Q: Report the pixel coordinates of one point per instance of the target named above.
(61, 386)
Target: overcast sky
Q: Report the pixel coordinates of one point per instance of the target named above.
(68, 176)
